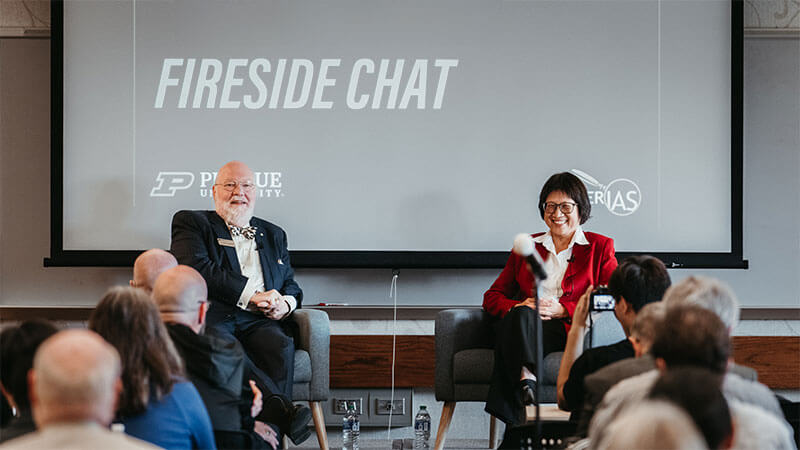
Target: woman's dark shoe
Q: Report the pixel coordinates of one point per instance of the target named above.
(528, 388)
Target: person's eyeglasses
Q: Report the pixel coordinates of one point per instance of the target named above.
(231, 185)
(565, 207)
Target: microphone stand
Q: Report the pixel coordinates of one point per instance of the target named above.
(537, 325)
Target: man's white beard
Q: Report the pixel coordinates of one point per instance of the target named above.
(236, 215)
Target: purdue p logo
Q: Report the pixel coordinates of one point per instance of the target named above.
(167, 183)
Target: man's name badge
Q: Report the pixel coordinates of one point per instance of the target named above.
(225, 242)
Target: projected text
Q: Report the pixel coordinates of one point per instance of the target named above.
(210, 83)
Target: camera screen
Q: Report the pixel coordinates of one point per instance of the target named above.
(603, 302)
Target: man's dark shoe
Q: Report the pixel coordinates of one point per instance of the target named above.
(291, 419)
(528, 388)
(298, 427)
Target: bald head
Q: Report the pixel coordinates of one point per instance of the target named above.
(179, 293)
(234, 168)
(75, 378)
(149, 265)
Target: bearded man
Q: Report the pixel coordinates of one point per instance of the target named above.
(251, 286)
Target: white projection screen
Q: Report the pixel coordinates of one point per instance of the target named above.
(399, 133)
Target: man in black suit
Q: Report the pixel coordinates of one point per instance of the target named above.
(245, 263)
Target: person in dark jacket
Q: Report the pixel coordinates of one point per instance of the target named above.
(214, 363)
(18, 344)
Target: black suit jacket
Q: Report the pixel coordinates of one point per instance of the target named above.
(195, 242)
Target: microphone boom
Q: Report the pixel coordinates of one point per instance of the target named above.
(524, 247)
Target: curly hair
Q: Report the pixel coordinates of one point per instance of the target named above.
(128, 319)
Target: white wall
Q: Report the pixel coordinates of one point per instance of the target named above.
(772, 199)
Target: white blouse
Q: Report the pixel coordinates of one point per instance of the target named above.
(556, 263)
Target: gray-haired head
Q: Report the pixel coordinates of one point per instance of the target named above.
(149, 265)
(652, 424)
(709, 293)
(75, 378)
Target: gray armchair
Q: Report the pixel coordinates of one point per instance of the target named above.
(312, 365)
(465, 361)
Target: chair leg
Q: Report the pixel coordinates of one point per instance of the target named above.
(492, 431)
(285, 441)
(319, 424)
(444, 424)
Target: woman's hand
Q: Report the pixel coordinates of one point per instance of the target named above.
(529, 302)
(551, 308)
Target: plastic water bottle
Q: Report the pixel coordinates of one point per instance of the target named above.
(422, 428)
(351, 428)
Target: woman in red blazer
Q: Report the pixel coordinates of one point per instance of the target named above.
(574, 260)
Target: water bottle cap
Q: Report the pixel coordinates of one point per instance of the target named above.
(423, 407)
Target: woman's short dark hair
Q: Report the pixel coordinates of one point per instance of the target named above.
(573, 187)
(128, 319)
(18, 344)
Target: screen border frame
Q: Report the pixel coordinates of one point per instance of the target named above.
(395, 259)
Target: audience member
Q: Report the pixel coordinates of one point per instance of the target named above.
(704, 291)
(697, 391)
(717, 297)
(157, 404)
(694, 336)
(636, 282)
(214, 364)
(653, 425)
(148, 266)
(709, 293)
(598, 383)
(74, 388)
(18, 344)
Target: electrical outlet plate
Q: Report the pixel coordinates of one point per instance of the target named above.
(340, 405)
(386, 407)
(367, 404)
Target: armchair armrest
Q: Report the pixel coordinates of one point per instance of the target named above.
(456, 330)
(315, 338)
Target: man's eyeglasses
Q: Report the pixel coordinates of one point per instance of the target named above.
(566, 207)
(231, 185)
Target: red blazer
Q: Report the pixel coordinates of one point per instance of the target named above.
(590, 264)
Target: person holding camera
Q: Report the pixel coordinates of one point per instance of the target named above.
(573, 260)
(638, 281)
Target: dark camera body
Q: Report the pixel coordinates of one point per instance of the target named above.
(601, 300)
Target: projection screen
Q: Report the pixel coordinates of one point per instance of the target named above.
(399, 133)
